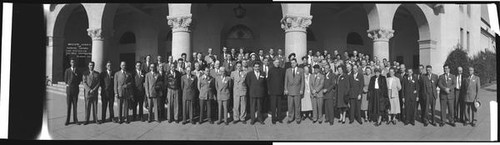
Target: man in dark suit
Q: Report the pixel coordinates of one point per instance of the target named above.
(410, 96)
(139, 91)
(429, 87)
(154, 89)
(162, 97)
(147, 62)
(91, 85)
(108, 93)
(356, 89)
(329, 94)
(256, 84)
(421, 99)
(124, 82)
(459, 93)
(189, 84)
(72, 77)
(304, 62)
(294, 88)
(275, 88)
(446, 84)
(228, 63)
(400, 74)
(173, 94)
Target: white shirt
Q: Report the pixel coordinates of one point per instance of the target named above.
(257, 74)
(376, 83)
(459, 80)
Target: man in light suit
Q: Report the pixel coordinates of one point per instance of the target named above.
(173, 81)
(473, 86)
(429, 82)
(294, 88)
(108, 93)
(316, 81)
(91, 85)
(356, 89)
(189, 84)
(239, 94)
(72, 77)
(223, 87)
(123, 88)
(154, 88)
(446, 84)
(256, 84)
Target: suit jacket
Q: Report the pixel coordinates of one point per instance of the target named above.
(189, 87)
(91, 83)
(173, 80)
(107, 84)
(275, 81)
(444, 83)
(223, 87)
(214, 73)
(330, 85)
(139, 84)
(202, 63)
(356, 83)
(473, 86)
(281, 59)
(429, 86)
(72, 78)
(393, 90)
(294, 85)
(239, 88)
(256, 85)
(145, 67)
(382, 86)
(316, 82)
(154, 85)
(343, 86)
(206, 87)
(229, 66)
(124, 84)
(410, 87)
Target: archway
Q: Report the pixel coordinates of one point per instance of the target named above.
(70, 40)
(410, 28)
(239, 36)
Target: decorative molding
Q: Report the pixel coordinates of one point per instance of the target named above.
(427, 44)
(180, 23)
(50, 41)
(293, 23)
(95, 33)
(380, 34)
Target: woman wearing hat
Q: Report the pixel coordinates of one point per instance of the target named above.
(473, 85)
(377, 97)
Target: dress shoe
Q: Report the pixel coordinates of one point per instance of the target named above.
(377, 124)
(473, 124)
(169, 121)
(252, 122)
(298, 122)
(128, 122)
(273, 122)
(227, 123)
(193, 122)
(322, 122)
(350, 122)
(115, 121)
(66, 124)
(314, 121)
(388, 122)
(220, 122)
(280, 121)
(465, 124)
(425, 124)
(394, 122)
(244, 122)
(184, 122)
(149, 121)
(452, 124)
(86, 122)
(441, 124)
(288, 122)
(262, 122)
(360, 122)
(236, 121)
(98, 122)
(343, 122)
(177, 121)
(331, 123)
(211, 122)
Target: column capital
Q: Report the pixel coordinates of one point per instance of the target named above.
(380, 34)
(291, 23)
(95, 33)
(180, 23)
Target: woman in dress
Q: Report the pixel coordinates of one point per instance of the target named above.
(377, 97)
(306, 107)
(393, 87)
(342, 92)
(364, 97)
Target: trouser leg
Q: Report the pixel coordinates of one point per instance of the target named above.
(315, 110)
(236, 107)
(88, 104)
(104, 106)
(444, 106)
(290, 108)
(252, 108)
(243, 108)
(319, 108)
(451, 109)
(273, 108)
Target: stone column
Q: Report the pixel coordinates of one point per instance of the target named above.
(295, 27)
(181, 35)
(48, 59)
(381, 42)
(97, 48)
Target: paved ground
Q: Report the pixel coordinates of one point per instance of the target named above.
(286, 132)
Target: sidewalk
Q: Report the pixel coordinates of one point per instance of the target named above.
(286, 132)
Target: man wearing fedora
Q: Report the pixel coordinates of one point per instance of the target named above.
(473, 85)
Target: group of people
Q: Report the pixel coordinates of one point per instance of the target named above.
(322, 87)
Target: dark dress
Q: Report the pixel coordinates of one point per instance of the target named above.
(343, 91)
(378, 99)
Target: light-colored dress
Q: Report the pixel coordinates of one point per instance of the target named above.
(393, 86)
(364, 97)
(306, 100)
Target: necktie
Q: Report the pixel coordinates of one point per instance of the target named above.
(293, 72)
(257, 74)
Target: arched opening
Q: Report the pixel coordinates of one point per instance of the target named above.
(70, 40)
(410, 28)
(336, 26)
(138, 31)
(249, 26)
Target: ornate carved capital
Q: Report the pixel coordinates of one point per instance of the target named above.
(381, 34)
(180, 23)
(95, 33)
(291, 23)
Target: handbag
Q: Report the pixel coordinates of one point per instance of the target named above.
(477, 104)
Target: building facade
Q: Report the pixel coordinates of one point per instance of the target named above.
(409, 33)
